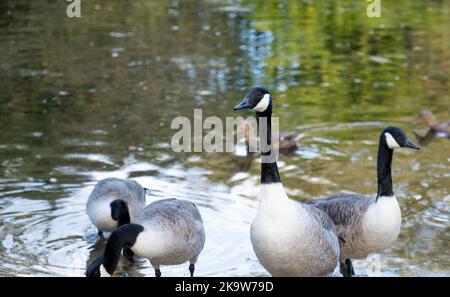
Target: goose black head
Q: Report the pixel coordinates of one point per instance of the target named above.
(394, 137)
(96, 269)
(257, 99)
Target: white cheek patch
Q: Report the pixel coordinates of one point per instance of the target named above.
(391, 141)
(103, 272)
(262, 104)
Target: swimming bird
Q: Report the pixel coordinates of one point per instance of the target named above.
(289, 238)
(286, 143)
(167, 232)
(428, 117)
(113, 203)
(368, 224)
(435, 128)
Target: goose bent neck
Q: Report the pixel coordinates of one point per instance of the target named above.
(123, 236)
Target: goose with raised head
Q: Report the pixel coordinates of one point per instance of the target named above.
(289, 238)
(368, 224)
(167, 232)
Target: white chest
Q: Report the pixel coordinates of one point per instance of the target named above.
(284, 237)
(381, 224)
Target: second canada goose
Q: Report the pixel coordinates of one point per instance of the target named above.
(366, 224)
(289, 238)
(113, 203)
(167, 232)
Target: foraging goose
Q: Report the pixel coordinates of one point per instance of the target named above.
(289, 238)
(113, 203)
(167, 232)
(367, 225)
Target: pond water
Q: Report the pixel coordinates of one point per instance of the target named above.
(89, 98)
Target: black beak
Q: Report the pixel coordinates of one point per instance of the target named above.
(412, 145)
(243, 105)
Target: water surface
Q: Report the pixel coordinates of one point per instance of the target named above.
(89, 98)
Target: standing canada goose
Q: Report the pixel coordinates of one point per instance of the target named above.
(289, 238)
(167, 232)
(113, 203)
(365, 224)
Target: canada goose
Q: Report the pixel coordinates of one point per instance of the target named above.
(289, 238)
(113, 203)
(365, 224)
(167, 232)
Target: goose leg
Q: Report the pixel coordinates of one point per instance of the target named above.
(191, 269)
(350, 267)
(157, 272)
(128, 254)
(346, 268)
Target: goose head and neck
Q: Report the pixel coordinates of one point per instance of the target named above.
(390, 139)
(259, 100)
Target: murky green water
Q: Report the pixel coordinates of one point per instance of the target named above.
(84, 99)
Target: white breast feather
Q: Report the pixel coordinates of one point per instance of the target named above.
(284, 236)
(381, 224)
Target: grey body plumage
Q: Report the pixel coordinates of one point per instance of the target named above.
(346, 212)
(177, 227)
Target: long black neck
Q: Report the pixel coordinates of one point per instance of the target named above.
(121, 237)
(269, 168)
(120, 212)
(384, 170)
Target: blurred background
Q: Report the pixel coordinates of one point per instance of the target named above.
(86, 98)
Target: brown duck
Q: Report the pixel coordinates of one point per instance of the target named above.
(435, 127)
